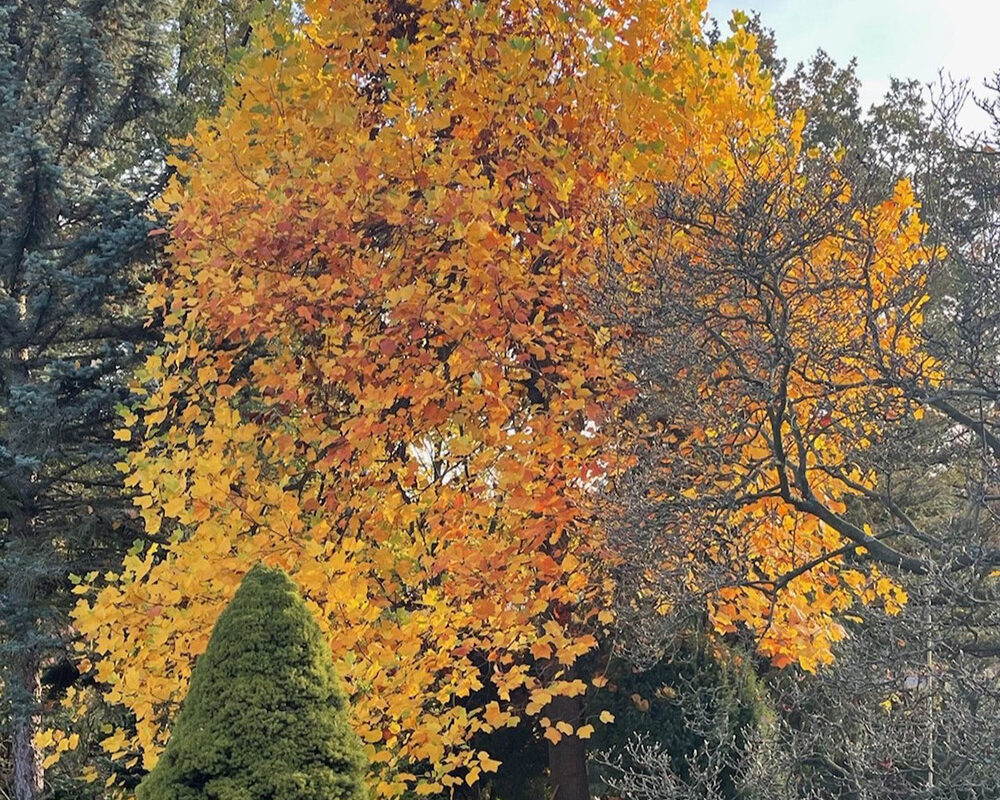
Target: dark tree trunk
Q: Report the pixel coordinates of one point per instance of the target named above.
(27, 766)
(568, 758)
(22, 671)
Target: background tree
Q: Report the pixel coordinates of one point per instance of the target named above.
(208, 39)
(89, 95)
(936, 661)
(906, 705)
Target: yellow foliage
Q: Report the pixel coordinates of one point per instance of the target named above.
(378, 371)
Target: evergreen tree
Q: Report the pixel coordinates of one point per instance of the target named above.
(91, 92)
(79, 83)
(695, 719)
(265, 718)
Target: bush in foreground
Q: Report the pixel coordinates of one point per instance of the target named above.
(265, 717)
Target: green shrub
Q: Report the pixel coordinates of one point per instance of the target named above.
(702, 704)
(265, 717)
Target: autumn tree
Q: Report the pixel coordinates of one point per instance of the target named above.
(917, 689)
(761, 344)
(380, 370)
(904, 705)
(768, 337)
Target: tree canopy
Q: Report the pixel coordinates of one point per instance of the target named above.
(387, 367)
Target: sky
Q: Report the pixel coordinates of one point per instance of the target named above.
(902, 38)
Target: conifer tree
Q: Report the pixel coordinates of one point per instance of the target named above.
(79, 84)
(265, 717)
(90, 94)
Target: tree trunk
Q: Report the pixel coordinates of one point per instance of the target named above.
(27, 765)
(22, 670)
(568, 758)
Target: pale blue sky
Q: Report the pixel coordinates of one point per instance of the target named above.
(904, 38)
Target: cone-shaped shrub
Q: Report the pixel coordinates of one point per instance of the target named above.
(265, 717)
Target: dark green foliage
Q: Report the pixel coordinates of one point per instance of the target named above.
(81, 86)
(523, 771)
(211, 36)
(90, 93)
(265, 718)
(700, 703)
